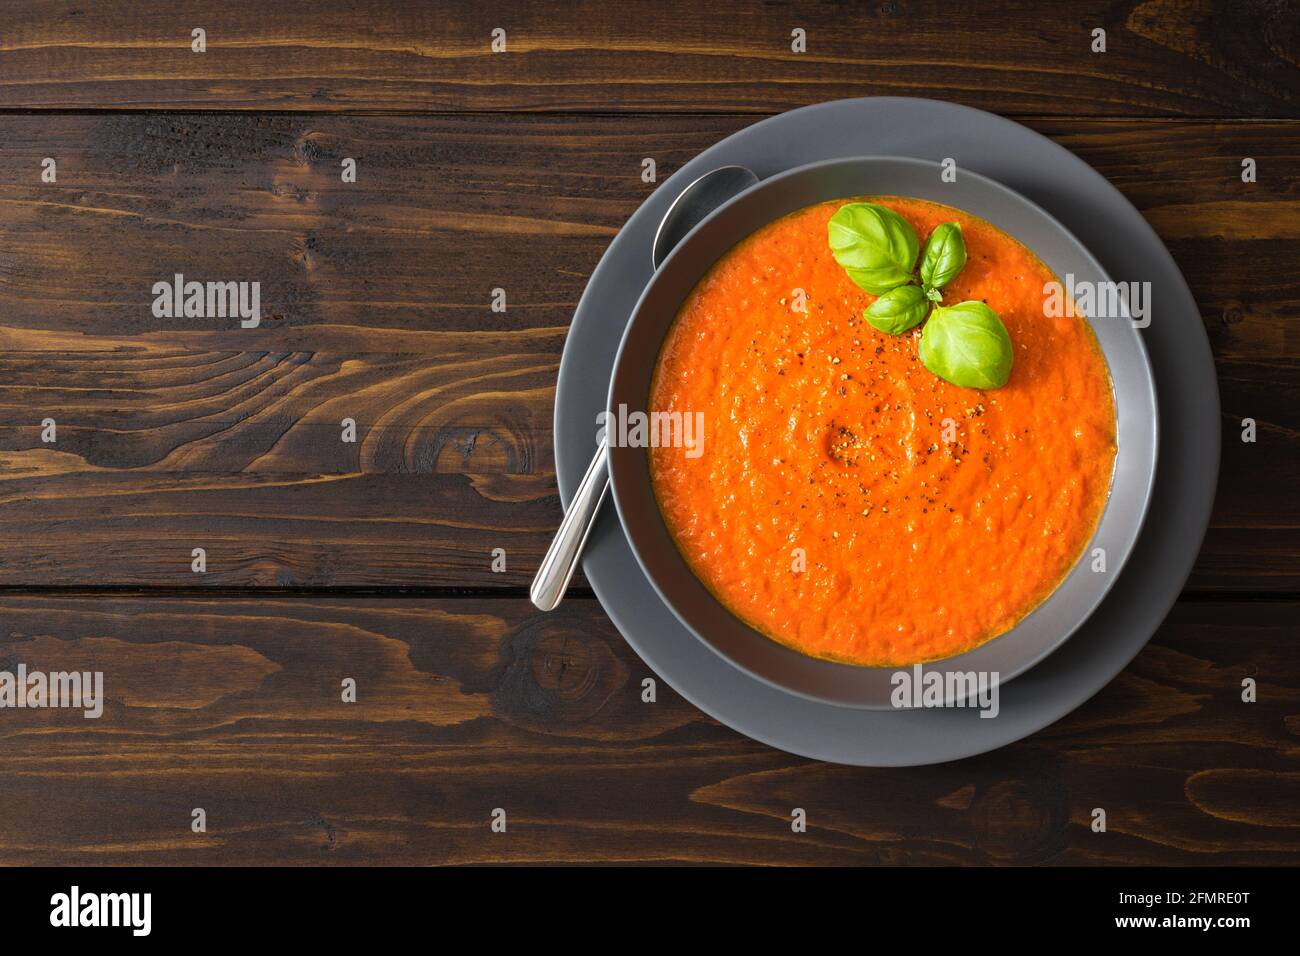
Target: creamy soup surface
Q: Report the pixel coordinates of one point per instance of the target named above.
(848, 502)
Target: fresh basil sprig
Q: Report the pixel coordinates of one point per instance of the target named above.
(965, 344)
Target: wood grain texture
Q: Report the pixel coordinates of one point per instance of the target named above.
(233, 705)
(1162, 57)
(183, 433)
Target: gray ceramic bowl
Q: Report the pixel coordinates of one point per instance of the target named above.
(1042, 631)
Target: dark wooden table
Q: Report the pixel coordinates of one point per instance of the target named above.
(372, 560)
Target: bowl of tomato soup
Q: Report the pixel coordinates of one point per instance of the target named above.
(823, 510)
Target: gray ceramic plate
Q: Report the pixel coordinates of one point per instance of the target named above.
(1078, 594)
(1127, 248)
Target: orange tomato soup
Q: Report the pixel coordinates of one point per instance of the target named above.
(848, 502)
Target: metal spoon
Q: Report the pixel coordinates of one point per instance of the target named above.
(690, 208)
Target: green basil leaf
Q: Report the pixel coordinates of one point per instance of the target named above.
(968, 345)
(898, 309)
(945, 255)
(876, 246)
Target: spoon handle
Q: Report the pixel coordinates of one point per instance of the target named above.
(562, 557)
(690, 207)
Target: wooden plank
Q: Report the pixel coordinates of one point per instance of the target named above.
(1018, 57)
(444, 210)
(234, 705)
(183, 433)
